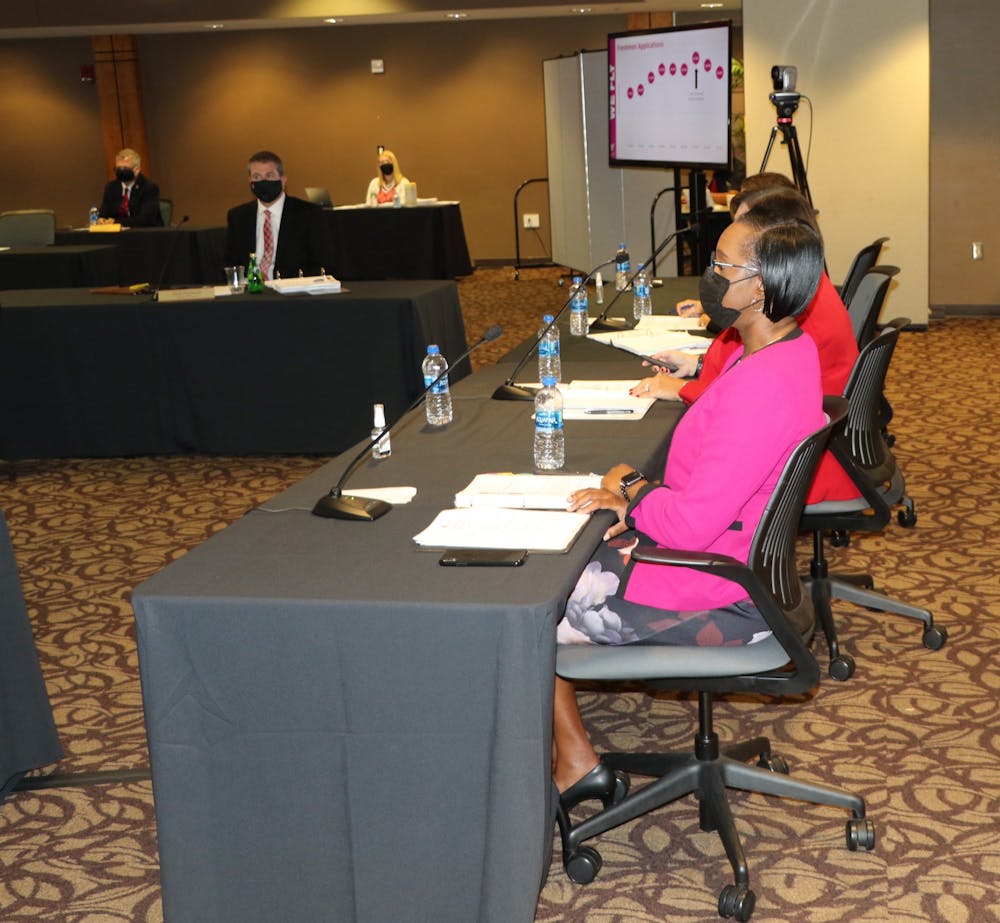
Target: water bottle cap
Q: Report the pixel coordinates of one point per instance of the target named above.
(432, 350)
(577, 279)
(547, 318)
(549, 381)
(621, 246)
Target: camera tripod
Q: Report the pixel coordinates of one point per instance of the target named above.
(786, 104)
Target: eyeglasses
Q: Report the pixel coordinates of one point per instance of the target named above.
(718, 264)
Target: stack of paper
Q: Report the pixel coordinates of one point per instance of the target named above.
(489, 527)
(312, 285)
(655, 333)
(524, 491)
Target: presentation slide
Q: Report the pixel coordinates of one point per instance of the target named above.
(668, 95)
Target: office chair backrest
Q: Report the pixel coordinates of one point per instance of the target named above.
(28, 227)
(863, 432)
(866, 258)
(866, 305)
(166, 211)
(772, 552)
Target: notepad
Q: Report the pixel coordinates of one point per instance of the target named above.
(489, 527)
(655, 333)
(523, 491)
(310, 285)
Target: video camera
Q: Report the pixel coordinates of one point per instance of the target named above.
(784, 97)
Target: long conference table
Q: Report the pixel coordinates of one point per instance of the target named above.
(341, 729)
(102, 375)
(369, 244)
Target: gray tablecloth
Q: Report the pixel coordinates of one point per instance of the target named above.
(28, 736)
(339, 728)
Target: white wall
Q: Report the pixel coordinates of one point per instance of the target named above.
(865, 64)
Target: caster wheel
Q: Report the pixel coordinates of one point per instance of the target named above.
(842, 667)
(907, 518)
(839, 538)
(775, 763)
(737, 901)
(890, 440)
(582, 867)
(860, 834)
(934, 638)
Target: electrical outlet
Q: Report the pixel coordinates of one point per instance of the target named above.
(977, 249)
(531, 221)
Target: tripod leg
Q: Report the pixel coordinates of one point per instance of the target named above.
(795, 156)
(770, 144)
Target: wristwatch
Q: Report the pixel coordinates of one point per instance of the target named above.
(630, 480)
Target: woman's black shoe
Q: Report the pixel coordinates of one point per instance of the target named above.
(601, 783)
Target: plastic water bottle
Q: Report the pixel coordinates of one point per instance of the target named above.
(598, 289)
(550, 439)
(93, 215)
(397, 202)
(381, 448)
(578, 308)
(439, 410)
(642, 295)
(549, 359)
(622, 268)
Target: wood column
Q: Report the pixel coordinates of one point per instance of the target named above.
(637, 21)
(123, 119)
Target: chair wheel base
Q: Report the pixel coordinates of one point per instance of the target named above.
(842, 667)
(582, 867)
(934, 638)
(737, 901)
(860, 833)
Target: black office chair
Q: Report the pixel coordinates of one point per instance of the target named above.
(860, 448)
(780, 665)
(866, 305)
(867, 257)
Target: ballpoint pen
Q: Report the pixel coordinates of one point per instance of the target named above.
(609, 411)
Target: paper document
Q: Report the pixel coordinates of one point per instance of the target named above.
(312, 285)
(601, 400)
(524, 491)
(489, 527)
(654, 334)
(393, 495)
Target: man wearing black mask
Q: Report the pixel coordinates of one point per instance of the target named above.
(288, 235)
(130, 199)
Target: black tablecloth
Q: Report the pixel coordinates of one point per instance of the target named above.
(58, 267)
(418, 242)
(180, 256)
(105, 375)
(339, 728)
(28, 736)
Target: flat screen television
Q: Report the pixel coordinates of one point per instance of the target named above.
(669, 100)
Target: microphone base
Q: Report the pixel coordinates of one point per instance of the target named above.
(354, 509)
(611, 325)
(511, 392)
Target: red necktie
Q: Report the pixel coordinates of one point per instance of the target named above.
(123, 208)
(268, 259)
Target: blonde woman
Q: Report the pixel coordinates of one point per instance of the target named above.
(390, 181)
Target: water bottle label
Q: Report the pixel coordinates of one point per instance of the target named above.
(548, 421)
(547, 348)
(641, 290)
(440, 388)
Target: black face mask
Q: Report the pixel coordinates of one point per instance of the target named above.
(267, 190)
(712, 289)
(125, 174)
(386, 169)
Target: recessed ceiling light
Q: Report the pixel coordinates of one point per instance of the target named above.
(582, 9)
(333, 20)
(712, 6)
(457, 15)
(214, 26)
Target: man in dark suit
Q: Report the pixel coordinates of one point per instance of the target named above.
(130, 199)
(287, 234)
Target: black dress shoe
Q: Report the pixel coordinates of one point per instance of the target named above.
(601, 783)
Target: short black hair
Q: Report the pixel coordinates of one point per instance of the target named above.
(790, 260)
(267, 157)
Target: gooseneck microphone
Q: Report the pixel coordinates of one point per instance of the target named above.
(603, 324)
(338, 505)
(509, 391)
(170, 256)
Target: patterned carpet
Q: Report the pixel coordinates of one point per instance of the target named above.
(916, 732)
